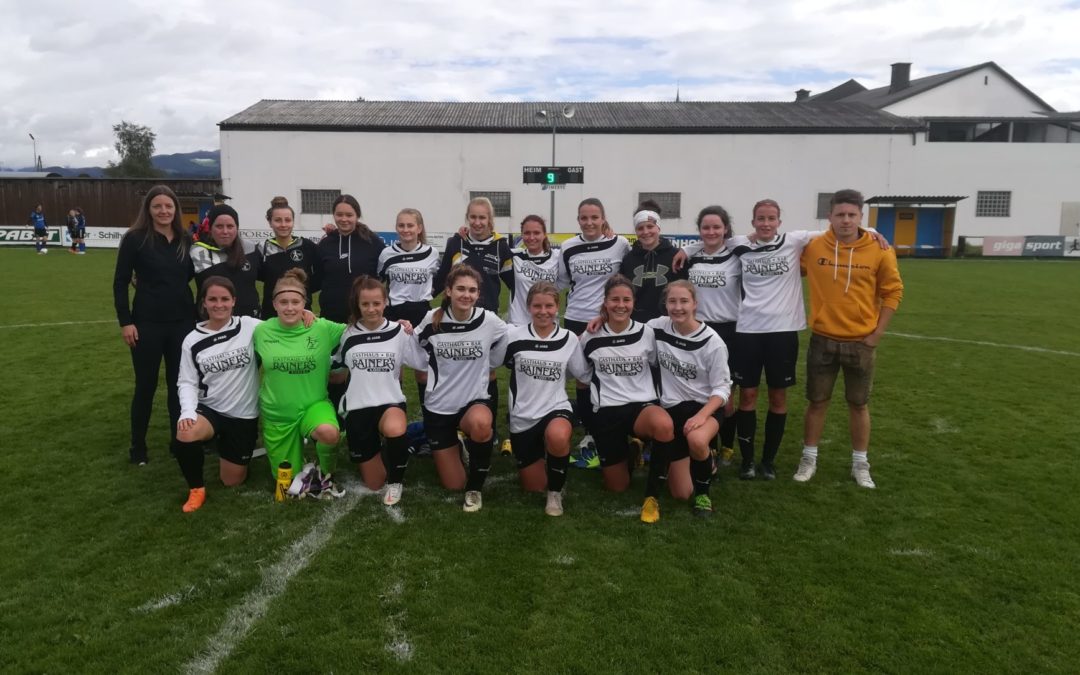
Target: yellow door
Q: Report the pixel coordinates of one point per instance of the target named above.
(906, 220)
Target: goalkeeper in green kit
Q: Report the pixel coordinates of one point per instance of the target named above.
(292, 396)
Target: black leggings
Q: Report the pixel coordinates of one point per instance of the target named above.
(156, 340)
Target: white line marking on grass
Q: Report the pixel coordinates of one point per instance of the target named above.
(912, 552)
(564, 560)
(397, 640)
(628, 512)
(983, 343)
(58, 323)
(942, 426)
(395, 514)
(242, 617)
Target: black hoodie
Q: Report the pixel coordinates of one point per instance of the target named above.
(649, 271)
(341, 260)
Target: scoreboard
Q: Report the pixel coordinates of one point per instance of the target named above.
(553, 175)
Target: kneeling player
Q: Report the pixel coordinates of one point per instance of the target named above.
(540, 355)
(373, 350)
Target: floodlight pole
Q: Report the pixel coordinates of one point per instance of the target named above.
(35, 162)
(554, 124)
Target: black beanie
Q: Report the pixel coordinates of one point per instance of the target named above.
(222, 210)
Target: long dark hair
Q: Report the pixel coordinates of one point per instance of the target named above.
(144, 222)
(363, 283)
(235, 256)
(363, 230)
(223, 282)
(613, 282)
(457, 271)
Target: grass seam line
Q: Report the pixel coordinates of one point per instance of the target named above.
(241, 618)
(983, 343)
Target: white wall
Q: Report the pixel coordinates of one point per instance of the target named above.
(985, 92)
(435, 172)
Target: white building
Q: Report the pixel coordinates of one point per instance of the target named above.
(975, 134)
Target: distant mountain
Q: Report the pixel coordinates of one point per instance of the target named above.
(198, 164)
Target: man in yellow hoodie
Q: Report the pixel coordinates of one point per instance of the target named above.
(855, 289)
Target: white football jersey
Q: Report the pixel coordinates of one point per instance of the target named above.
(717, 278)
(692, 367)
(408, 274)
(586, 267)
(621, 365)
(374, 359)
(772, 284)
(527, 271)
(219, 370)
(460, 357)
(539, 368)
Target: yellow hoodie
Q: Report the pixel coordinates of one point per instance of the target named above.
(848, 285)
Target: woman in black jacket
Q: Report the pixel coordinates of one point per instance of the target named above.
(648, 264)
(223, 252)
(154, 254)
(282, 252)
(343, 255)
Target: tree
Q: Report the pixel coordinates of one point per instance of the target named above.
(135, 145)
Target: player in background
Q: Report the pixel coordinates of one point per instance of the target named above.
(407, 267)
(373, 350)
(154, 324)
(283, 252)
(648, 264)
(589, 259)
(293, 401)
(348, 251)
(221, 251)
(541, 357)
(623, 390)
(464, 344)
(694, 386)
(36, 220)
(218, 388)
(855, 288)
(716, 273)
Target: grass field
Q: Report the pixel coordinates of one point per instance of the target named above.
(963, 559)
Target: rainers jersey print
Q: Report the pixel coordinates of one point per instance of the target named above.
(621, 365)
(219, 370)
(374, 359)
(586, 266)
(527, 271)
(460, 356)
(772, 284)
(539, 368)
(717, 277)
(692, 367)
(408, 274)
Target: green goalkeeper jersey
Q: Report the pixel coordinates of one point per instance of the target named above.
(295, 366)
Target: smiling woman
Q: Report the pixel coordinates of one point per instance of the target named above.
(225, 253)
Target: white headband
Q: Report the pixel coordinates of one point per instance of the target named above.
(641, 216)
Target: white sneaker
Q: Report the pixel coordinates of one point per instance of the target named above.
(806, 470)
(473, 502)
(554, 504)
(393, 493)
(860, 471)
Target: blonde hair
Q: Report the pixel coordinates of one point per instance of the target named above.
(486, 203)
(294, 279)
(422, 235)
(542, 288)
(680, 283)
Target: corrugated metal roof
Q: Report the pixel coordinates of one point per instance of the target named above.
(839, 92)
(590, 117)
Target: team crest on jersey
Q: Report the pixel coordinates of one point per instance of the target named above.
(312, 343)
(246, 267)
(296, 256)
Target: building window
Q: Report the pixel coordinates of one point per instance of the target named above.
(993, 204)
(670, 203)
(499, 200)
(318, 201)
(823, 199)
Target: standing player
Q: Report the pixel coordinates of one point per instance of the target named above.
(648, 265)
(541, 357)
(694, 386)
(41, 230)
(624, 397)
(292, 397)
(716, 273)
(407, 267)
(347, 252)
(533, 261)
(283, 252)
(855, 288)
(72, 224)
(589, 259)
(154, 324)
(221, 251)
(464, 344)
(374, 349)
(218, 388)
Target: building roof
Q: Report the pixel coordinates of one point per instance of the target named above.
(839, 92)
(589, 117)
(882, 97)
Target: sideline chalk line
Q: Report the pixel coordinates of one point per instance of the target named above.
(983, 343)
(58, 323)
(242, 617)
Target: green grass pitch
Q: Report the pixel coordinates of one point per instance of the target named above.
(963, 560)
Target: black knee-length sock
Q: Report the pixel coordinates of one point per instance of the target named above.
(774, 434)
(190, 458)
(701, 475)
(397, 458)
(746, 424)
(556, 472)
(479, 463)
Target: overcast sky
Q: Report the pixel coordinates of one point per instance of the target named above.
(73, 69)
